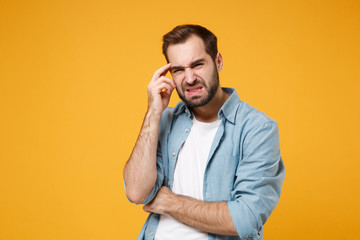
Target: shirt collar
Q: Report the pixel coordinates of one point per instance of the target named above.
(181, 108)
(228, 110)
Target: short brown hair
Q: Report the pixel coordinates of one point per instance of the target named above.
(182, 33)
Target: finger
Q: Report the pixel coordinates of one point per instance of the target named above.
(170, 91)
(146, 208)
(155, 86)
(161, 71)
(160, 88)
(167, 91)
(170, 81)
(167, 80)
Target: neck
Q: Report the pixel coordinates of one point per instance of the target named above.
(209, 112)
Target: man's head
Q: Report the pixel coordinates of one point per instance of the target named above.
(195, 62)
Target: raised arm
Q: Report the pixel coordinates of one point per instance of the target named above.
(140, 172)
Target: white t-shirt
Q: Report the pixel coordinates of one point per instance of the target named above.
(189, 179)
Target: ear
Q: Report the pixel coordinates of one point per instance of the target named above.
(219, 62)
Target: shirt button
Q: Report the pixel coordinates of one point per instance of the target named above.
(151, 233)
(173, 154)
(169, 183)
(186, 130)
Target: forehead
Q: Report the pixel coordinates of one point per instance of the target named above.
(184, 53)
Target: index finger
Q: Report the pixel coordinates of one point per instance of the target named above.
(162, 71)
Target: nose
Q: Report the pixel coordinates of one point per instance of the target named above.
(190, 76)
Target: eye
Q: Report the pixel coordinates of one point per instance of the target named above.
(176, 71)
(198, 65)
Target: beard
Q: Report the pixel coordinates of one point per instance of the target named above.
(198, 101)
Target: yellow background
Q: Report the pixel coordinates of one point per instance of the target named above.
(73, 77)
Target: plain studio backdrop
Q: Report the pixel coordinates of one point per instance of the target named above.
(73, 77)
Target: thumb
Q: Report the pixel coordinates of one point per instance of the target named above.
(146, 208)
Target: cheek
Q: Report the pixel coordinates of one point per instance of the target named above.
(206, 72)
(206, 75)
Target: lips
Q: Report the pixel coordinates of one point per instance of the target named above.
(194, 90)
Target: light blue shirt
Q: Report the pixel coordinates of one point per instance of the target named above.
(244, 167)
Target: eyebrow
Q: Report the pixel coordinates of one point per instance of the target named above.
(201, 60)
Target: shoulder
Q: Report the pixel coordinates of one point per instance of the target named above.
(250, 118)
(259, 134)
(241, 113)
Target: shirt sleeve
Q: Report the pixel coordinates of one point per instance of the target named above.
(258, 181)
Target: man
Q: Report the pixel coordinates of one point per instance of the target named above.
(210, 168)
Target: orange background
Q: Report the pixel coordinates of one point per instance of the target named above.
(73, 77)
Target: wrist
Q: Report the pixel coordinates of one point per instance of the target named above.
(175, 204)
(154, 111)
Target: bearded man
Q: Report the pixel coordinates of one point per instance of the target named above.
(209, 168)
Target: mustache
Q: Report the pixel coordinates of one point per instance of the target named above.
(197, 82)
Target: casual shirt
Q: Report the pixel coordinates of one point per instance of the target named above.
(189, 179)
(244, 167)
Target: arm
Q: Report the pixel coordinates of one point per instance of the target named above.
(140, 172)
(213, 217)
(258, 180)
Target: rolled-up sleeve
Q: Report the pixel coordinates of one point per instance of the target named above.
(258, 180)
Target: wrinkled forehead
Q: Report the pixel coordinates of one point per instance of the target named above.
(183, 54)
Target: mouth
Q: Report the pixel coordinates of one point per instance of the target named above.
(195, 90)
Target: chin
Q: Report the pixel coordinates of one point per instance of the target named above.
(196, 101)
